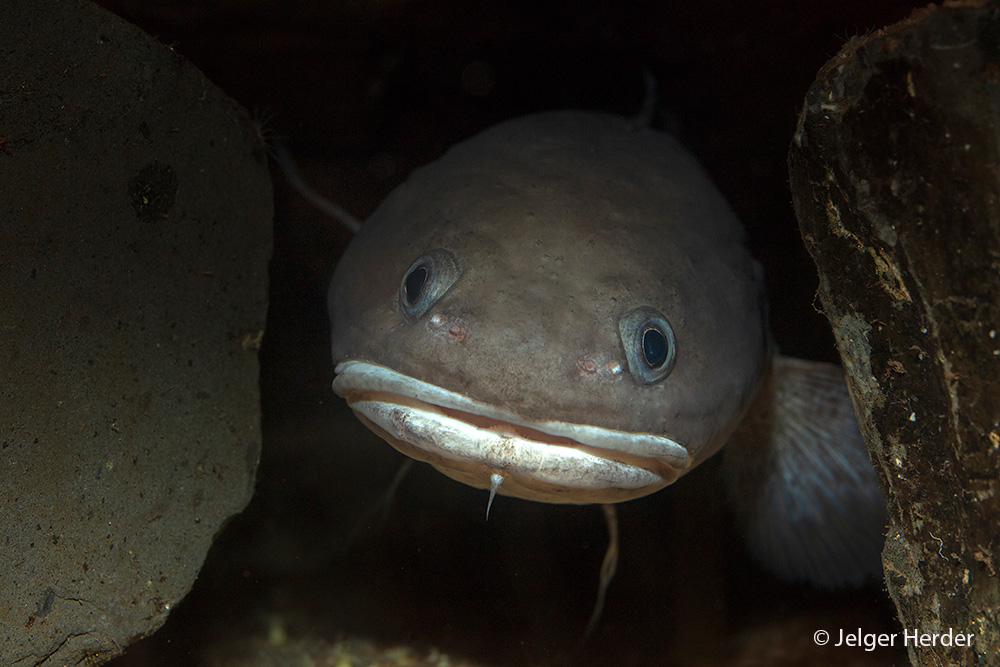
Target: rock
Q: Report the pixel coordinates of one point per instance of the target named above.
(894, 177)
(135, 213)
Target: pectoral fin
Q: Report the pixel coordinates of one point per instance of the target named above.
(801, 481)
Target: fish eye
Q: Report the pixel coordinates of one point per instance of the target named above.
(414, 283)
(648, 341)
(654, 347)
(426, 281)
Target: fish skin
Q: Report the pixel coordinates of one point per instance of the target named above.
(560, 223)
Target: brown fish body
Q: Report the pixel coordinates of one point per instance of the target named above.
(561, 223)
(562, 308)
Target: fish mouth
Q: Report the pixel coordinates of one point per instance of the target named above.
(472, 442)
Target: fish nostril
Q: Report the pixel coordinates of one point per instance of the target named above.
(453, 327)
(458, 330)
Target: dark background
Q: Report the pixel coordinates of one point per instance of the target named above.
(364, 91)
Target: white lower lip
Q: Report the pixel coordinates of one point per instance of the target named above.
(547, 461)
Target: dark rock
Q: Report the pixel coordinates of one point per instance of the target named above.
(894, 176)
(135, 213)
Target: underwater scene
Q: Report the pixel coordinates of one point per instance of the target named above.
(353, 553)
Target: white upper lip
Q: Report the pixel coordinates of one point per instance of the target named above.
(358, 376)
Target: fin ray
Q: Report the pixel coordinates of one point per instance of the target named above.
(801, 481)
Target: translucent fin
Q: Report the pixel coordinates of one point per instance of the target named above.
(801, 482)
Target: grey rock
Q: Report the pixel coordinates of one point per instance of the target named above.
(135, 227)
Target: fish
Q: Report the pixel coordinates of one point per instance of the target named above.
(563, 309)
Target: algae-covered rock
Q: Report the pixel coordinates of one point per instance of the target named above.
(135, 211)
(894, 175)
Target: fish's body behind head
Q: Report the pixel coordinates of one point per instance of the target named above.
(563, 300)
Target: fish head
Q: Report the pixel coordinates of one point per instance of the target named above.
(563, 301)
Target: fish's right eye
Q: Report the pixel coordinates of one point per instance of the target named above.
(426, 281)
(648, 341)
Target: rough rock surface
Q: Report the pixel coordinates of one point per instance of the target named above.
(135, 213)
(894, 174)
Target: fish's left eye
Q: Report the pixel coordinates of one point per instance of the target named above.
(426, 281)
(414, 283)
(648, 341)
